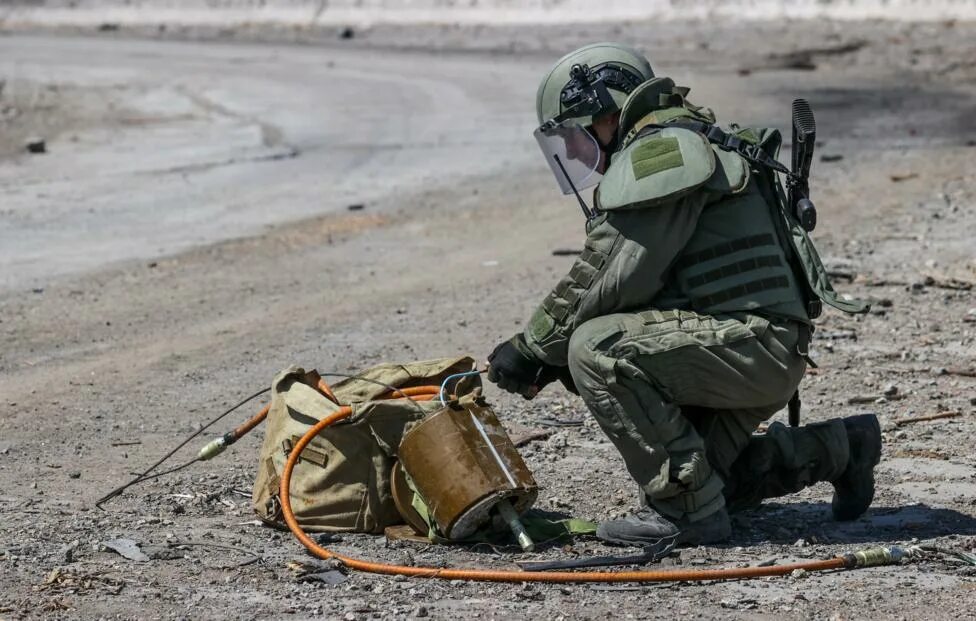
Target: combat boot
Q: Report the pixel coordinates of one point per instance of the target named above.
(854, 488)
(647, 527)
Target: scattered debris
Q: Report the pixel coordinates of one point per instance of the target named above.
(803, 59)
(127, 548)
(35, 145)
(920, 419)
(896, 178)
(862, 399)
(551, 421)
(531, 436)
(837, 336)
(923, 453)
(67, 551)
(328, 572)
(331, 577)
(969, 372)
(842, 273)
(955, 284)
(75, 582)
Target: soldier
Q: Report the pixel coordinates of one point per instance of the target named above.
(685, 321)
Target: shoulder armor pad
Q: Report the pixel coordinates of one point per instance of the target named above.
(657, 168)
(731, 173)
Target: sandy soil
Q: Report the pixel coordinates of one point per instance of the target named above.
(172, 252)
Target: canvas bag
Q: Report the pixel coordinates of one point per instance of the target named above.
(342, 480)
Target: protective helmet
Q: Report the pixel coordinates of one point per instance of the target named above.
(622, 69)
(588, 83)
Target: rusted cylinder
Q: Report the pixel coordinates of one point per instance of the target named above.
(462, 463)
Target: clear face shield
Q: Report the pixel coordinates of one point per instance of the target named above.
(573, 155)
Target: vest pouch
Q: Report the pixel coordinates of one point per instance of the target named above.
(341, 483)
(804, 253)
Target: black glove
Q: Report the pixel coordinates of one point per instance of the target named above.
(551, 374)
(513, 367)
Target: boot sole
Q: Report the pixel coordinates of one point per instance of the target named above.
(874, 461)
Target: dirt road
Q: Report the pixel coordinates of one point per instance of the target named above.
(189, 234)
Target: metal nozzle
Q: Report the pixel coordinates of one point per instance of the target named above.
(508, 514)
(212, 449)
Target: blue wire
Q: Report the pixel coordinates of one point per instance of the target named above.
(449, 378)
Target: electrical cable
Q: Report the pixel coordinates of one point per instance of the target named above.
(440, 393)
(117, 491)
(217, 446)
(865, 558)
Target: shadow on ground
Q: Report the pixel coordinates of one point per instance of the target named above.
(785, 523)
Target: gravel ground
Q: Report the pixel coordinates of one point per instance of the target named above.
(107, 364)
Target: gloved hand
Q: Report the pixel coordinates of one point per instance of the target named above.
(550, 374)
(514, 368)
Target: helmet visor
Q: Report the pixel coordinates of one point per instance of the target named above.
(573, 155)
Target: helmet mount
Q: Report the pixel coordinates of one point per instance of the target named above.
(587, 93)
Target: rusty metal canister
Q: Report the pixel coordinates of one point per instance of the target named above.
(462, 463)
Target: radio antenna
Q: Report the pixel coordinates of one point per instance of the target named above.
(586, 210)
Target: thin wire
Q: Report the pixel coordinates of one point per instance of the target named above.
(145, 475)
(379, 383)
(449, 378)
(156, 475)
(117, 491)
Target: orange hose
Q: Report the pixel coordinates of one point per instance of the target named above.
(251, 423)
(327, 391)
(513, 576)
(414, 391)
(417, 393)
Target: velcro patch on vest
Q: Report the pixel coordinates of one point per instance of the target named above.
(734, 269)
(725, 248)
(738, 291)
(653, 156)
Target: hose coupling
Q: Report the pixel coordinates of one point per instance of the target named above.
(875, 557)
(212, 449)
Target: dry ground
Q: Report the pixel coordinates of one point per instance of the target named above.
(116, 346)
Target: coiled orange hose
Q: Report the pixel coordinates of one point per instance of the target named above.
(512, 576)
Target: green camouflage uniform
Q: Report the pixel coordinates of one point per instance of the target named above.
(682, 322)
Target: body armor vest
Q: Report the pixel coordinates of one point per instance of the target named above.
(735, 261)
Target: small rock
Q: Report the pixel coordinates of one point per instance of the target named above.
(798, 574)
(356, 207)
(67, 551)
(127, 548)
(108, 27)
(35, 145)
(74, 475)
(801, 543)
(421, 612)
(347, 33)
(890, 390)
(333, 577)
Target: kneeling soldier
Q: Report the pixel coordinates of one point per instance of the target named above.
(685, 321)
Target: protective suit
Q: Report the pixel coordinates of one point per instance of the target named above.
(684, 323)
